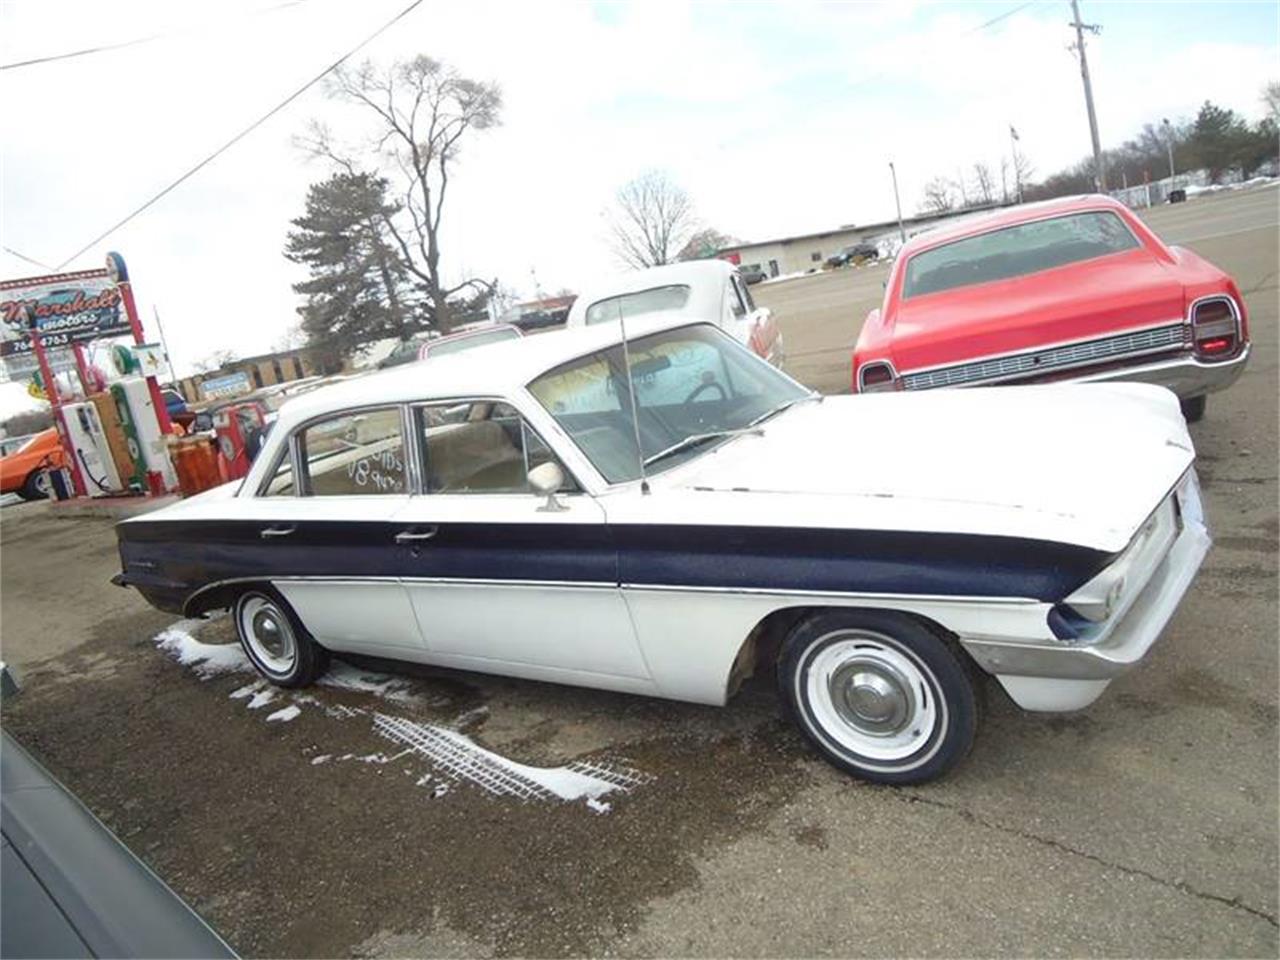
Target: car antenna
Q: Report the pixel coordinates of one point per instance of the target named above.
(631, 391)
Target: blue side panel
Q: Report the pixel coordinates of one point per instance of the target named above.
(169, 561)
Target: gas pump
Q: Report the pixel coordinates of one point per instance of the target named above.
(239, 428)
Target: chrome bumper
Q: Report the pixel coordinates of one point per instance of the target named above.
(1055, 676)
(1186, 376)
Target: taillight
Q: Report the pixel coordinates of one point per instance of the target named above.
(1215, 328)
(876, 376)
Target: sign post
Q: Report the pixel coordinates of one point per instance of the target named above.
(55, 404)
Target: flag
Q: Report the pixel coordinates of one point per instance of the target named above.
(1013, 133)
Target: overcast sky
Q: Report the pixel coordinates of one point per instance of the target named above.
(776, 118)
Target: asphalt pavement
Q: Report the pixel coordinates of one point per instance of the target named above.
(1146, 825)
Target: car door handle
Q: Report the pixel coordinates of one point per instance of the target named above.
(414, 534)
(268, 532)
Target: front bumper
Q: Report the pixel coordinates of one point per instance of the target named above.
(1056, 676)
(1185, 375)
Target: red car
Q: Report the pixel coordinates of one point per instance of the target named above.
(1073, 289)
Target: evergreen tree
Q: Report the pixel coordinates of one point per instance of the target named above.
(358, 281)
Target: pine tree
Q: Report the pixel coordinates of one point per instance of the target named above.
(358, 282)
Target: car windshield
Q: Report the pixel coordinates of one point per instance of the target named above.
(1016, 251)
(690, 382)
(673, 297)
(442, 348)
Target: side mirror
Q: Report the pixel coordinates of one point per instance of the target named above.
(546, 479)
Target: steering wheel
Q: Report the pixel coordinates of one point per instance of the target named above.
(709, 385)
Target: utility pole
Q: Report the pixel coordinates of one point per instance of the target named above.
(1168, 142)
(1017, 168)
(902, 233)
(1094, 29)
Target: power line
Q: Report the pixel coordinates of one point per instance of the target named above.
(23, 256)
(137, 41)
(246, 131)
(1004, 16)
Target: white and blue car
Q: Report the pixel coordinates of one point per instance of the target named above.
(507, 511)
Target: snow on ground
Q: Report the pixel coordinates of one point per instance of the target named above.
(206, 659)
(453, 757)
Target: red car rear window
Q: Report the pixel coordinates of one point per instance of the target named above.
(1017, 251)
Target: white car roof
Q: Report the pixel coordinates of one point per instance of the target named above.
(704, 278)
(495, 369)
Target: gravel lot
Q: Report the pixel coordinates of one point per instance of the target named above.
(1146, 825)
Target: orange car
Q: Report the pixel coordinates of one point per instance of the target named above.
(22, 472)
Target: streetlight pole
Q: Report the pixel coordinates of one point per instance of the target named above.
(1168, 142)
(1088, 92)
(902, 233)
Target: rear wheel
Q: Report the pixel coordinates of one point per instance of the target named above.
(276, 641)
(879, 694)
(36, 486)
(1193, 408)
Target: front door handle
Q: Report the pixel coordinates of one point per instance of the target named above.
(414, 534)
(269, 532)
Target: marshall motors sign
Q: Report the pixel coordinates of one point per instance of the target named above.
(68, 308)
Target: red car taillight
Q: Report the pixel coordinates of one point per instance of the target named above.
(1215, 328)
(877, 376)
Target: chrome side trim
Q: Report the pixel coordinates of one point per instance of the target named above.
(1071, 355)
(841, 594)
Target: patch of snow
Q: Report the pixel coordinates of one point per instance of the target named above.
(285, 715)
(460, 758)
(261, 699)
(783, 276)
(323, 758)
(599, 806)
(248, 690)
(206, 659)
(343, 676)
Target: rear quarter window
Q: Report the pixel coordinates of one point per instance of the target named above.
(1017, 251)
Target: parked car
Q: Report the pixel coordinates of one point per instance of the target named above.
(710, 290)
(22, 472)
(752, 274)
(855, 253)
(504, 512)
(1073, 289)
(469, 340)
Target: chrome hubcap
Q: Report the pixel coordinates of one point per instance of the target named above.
(267, 632)
(872, 696)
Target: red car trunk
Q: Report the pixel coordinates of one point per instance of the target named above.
(1078, 301)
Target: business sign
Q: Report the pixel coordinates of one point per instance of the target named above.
(68, 308)
(229, 386)
(151, 358)
(22, 365)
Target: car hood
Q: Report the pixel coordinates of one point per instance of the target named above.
(1073, 302)
(1080, 463)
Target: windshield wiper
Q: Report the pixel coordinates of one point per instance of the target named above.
(696, 438)
(784, 405)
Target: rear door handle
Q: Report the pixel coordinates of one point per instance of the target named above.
(414, 534)
(268, 532)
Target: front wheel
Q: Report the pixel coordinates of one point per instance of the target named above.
(276, 641)
(879, 694)
(36, 486)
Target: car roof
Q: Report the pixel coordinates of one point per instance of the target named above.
(986, 222)
(492, 369)
(705, 279)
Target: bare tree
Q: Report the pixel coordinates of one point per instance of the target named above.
(424, 109)
(216, 361)
(938, 196)
(1271, 99)
(985, 183)
(705, 243)
(651, 221)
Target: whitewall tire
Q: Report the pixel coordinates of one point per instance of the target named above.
(879, 694)
(275, 640)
